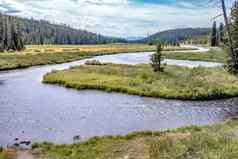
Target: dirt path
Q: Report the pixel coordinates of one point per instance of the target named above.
(24, 154)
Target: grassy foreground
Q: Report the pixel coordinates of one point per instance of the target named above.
(175, 83)
(3, 154)
(54, 54)
(219, 141)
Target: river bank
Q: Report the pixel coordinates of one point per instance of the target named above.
(26, 104)
(56, 54)
(217, 141)
(213, 141)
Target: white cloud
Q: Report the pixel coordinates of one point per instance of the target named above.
(112, 17)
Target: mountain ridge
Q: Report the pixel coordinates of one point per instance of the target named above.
(177, 35)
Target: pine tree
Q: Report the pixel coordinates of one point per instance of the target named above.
(10, 34)
(156, 58)
(218, 38)
(5, 30)
(13, 39)
(1, 33)
(18, 39)
(221, 33)
(234, 37)
(214, 34)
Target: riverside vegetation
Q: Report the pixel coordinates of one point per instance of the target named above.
(187, 83)
(196, 142)
(206, 142)
(3, 154)
(212, 55)
(54, 54)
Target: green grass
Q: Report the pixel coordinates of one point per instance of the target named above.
(212, 56)
(219, 141)
(54, 54)
(8, 62)
(175, 83)
(3, 154)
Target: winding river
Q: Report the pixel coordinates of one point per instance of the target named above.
(30, 110)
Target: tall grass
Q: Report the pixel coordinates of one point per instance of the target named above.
(53, 54)
(8, 62)
(208, 142)
(212, 56)
(175, 83)
(3, 154)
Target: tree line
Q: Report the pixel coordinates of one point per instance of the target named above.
(16, 31)
(10, 35)
(175, 36)
(43, 32)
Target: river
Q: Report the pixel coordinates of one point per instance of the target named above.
(30, 110)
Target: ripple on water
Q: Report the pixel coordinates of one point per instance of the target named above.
(37, 112)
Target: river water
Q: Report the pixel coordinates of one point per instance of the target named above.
(30, 110)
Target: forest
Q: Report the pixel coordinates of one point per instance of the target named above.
(10, 34)
(176, 35)
(14, 31)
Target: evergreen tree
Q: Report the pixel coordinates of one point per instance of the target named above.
(214, 34)
(18, 39)
(218, 38)
(1, 34)
(10, 35)
(156, 58)
(221, 33)
(234, 36)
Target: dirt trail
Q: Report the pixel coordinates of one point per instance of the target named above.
(24, 154)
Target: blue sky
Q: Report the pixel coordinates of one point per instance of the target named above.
(120, 18)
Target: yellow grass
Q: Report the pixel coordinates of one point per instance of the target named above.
(36, 49)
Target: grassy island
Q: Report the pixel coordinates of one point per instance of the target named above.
(218, 141)
(175, 83)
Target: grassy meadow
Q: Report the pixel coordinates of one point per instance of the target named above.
(175, 83)
(210, 56)
(219, 141)
(3, 154)
(92, 49)
(54, 54)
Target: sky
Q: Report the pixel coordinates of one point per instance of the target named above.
(121, 18)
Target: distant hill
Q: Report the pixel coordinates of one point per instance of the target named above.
(177, 35)
(134, 38)
(44, 32)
